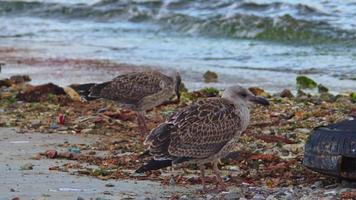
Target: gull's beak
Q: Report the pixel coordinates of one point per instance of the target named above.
(259, 100)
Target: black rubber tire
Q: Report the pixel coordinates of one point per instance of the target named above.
(332, 150)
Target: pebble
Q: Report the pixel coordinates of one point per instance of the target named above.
(27, 166)
(231, 195)
(258, 197)
(80, 198)
(271, 197)
(109, 185)
(184, 197)
(108, 193)
(317, 184)
(74, 150)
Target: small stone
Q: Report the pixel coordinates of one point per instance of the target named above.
(86, 131)
(37, 156)
(51, 154)
(231, 195)
(210, 77)
(27, 166)
(322, 89)
(74, 150)
(327, 97)
(12, 190)
(107, 193)
(184, 197)
(15, 198)
(35, 123)
(286, 94)
(258, 197)
(80, 198)
(317, 184)
(109, 185)
(271, 197)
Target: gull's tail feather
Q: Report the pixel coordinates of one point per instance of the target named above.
(154, 165)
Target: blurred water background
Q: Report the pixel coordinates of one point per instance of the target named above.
(262, 43)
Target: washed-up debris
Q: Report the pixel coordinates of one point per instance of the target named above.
(269, 154)
(40, 93)
(210, 77)
(331, 150)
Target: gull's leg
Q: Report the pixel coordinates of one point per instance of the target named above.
(221, 184)
(202, 177)
(141, 122)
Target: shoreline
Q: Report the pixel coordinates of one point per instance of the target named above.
(65, 71)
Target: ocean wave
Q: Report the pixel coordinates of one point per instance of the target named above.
(229, 19)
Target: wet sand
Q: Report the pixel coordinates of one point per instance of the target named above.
(17, 150)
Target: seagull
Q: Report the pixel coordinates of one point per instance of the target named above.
(201, 133)
(139, 91)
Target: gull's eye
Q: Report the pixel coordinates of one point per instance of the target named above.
(244, 95)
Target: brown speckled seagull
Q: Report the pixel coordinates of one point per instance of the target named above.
(139, 91)
(202, 132)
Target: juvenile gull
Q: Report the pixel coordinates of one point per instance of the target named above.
(202, 133)
(139, 91)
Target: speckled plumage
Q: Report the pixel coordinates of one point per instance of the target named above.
(138, 90)
(202, 133)
(199, 131)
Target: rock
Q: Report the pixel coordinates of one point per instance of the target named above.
(75, 96)
(231, 195)
(12, 190)
(286, 94)
(74, 150)
(304, 82)
(5, 83)
(16, 198)
(258, 197)
(51, 154)
(184, 197)
(271, 197)
(27, 166)
(40, 93)
(210, 77)
(86, 131)
(353, 97)
(107, 193)
(327, 97)
(37, 156)
(35, 123)
(80, 198)
(322, 89)
(19, 79)
(257, 91)
(109, 185)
